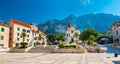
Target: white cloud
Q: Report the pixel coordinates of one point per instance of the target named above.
(85, 2)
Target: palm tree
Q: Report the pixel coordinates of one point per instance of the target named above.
(23, 35)
(77, 36)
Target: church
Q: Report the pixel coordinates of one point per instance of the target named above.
(70, 32)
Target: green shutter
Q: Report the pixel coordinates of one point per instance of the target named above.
(2, 37)
(18, 34)
(18, 39)
(18, 29)
(2, 29)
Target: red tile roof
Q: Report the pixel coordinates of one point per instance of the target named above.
(20, 23)
(42, 33)
(36, 31)
(6, 25)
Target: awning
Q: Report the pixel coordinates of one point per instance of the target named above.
(105, 39)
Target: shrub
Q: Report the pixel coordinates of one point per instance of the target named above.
(66, 46)
(70, 42)
(43, 43)
(34, 44)
(91, 43)
(37, 42)
(23, 44)
(74, 46)
(115, 44)
(70, 46)
(61, 46)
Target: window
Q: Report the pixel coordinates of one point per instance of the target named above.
(28, 40)
(71, 31)
(2, 37)
(10, 28)
(108, 32)
(35, 38)
(2, 29)
(72, 39)
(67, 35)
(1, 46)
(17, 44)
(28, 31)
(17, 39)
(27, 35)
(24, 30)
(18, 34)
(117, 32)
(18, 29)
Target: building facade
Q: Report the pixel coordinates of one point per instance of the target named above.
(16, 29)
(39, 36)
(4, 36)
(70, 34)
(115, 28)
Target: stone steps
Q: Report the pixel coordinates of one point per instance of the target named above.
(42, 49)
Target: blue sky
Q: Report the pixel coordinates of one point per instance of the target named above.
(39, 11)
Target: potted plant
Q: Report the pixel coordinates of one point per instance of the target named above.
(115, 45)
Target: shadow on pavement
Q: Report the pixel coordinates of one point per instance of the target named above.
(116, 62)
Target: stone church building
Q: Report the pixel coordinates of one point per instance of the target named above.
(70, 32)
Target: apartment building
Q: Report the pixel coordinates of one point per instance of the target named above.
(16, 29)
(4, 36)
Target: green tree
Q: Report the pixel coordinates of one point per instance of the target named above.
(23, 35)
(102, 36)
(23, 44)
(77, 36)
(86, 34)
(92, 38)
(52, 37)
(61, 37)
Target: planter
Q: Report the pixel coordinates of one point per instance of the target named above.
(115, 55)
(22, 50)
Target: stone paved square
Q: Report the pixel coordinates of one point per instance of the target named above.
(57, 58)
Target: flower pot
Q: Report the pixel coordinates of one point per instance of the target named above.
(115, 55)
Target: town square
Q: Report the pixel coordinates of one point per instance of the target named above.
(59, 32)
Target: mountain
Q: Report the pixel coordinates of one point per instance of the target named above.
(100, 22)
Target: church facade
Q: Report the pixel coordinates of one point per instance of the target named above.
(70, 34)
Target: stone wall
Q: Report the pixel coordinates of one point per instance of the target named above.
(69, 50)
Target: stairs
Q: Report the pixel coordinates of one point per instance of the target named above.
(42, 49)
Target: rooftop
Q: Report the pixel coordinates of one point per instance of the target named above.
(6, 25)
(36, 31)
(42, 33)
(116, 24)
(20, 23)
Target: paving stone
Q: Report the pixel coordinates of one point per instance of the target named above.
(57, 58)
